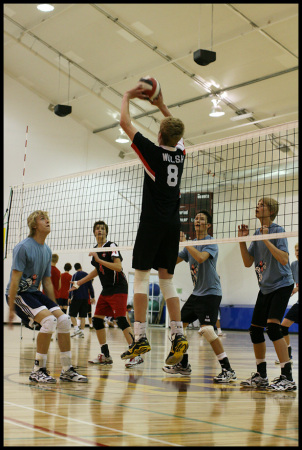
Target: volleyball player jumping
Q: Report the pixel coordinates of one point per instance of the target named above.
(157, 239)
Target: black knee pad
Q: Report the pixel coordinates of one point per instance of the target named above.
(122, 323)
(257, 334)
(89, 314)
(274, 331)
(98, 323)
(284, 330)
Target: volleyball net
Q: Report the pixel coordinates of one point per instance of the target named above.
(227, 177)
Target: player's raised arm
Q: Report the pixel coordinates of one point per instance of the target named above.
(125, 121)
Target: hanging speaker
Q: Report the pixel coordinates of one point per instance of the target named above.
(204, 57)
(62, 110)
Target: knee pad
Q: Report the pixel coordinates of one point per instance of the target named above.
(48, 324)
(257, 334)
(274, 331)
(284, 330)
(167, 287)
(141, 282)
(98, 323)
(89, 314)
(122, 323)
(64, 324)
(208, 333)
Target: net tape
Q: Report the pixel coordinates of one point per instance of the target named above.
(231, 174)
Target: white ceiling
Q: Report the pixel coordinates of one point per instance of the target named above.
(88, 55)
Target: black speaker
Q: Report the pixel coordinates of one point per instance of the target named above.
(62, 110)
(204, 57)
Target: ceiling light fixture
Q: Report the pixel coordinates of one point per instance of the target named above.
(241, 116)
(45, 7)
(122, 138)
(216, 110)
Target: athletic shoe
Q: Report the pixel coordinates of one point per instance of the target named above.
(42, 376)
(76, 333)
(178, 368)
(290, 360)
(226, 376)
(101, 359)
(221, 334)
(178, 348)
(137, 348)
(282, 384)
(199, 331)
(72, 375)
(134, 361)
(81, 335)
(256, 381)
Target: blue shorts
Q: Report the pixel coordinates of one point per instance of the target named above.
(29, 304)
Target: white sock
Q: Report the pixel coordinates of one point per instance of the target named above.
(176, 328)
(219, 330)
(221, 356)
(139, 330)
(40, 361)
(65, 360)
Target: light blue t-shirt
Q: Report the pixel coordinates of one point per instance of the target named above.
(204, 276)
(295, 270)
(34, 261)
(270, 273)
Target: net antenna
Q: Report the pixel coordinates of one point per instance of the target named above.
(23, 181)
(226, 176)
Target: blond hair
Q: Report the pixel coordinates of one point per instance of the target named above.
(31, 221)
(54, 258)
(172, 130)
(273, 206)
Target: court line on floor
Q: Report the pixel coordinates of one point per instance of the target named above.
(51, 433)
(93, 424)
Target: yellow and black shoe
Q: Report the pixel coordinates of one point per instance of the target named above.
(178, 349)
(137, 348)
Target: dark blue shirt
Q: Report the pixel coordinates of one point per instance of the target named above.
(84, 290)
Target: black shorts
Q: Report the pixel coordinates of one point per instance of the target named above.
(271, 306)
(62, 301)
(293, 313)
(156, 246)
(29, 304)
(78, 306)
(204, 308)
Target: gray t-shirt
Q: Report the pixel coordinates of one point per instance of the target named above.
(295, 270)
(34, 261)
(204, 276)
(270, 273)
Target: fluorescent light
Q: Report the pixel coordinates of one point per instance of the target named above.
(241, 116)
(121, 140)
(216, 110)
(45, 7)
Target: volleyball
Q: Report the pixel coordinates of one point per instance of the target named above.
(151, 86)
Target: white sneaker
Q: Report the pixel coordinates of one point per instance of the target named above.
(134, 361)
(221, 334)
(282, 384)
(200, 331)
(76, 333)
(72, 375)
(178, 369)
(101, 359)
(226, 376)
(42, 376)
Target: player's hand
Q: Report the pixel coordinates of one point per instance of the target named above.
(158, 101)
(11, 317)
(92, 301)
(75, 286)
(182, 237)
(137, 92)
(264, 229)
(296, 289)
(243, 230)
(94, 254)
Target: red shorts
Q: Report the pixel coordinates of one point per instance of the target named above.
(111, 305)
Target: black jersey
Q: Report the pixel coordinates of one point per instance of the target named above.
(113, 282)
(163, 170)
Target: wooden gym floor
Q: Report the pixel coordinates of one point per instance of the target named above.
(145, 406)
